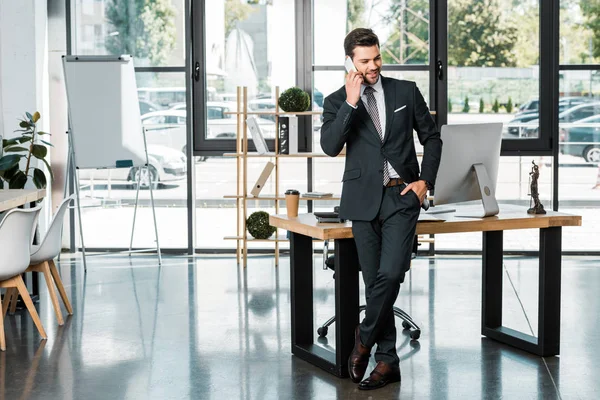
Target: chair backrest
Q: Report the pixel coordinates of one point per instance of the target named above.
(15, 240)
(52, 242)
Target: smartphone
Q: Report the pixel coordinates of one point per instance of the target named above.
(349, 65)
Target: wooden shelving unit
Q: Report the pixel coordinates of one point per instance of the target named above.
(241, 154)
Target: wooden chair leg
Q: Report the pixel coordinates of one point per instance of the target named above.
(50, 283)
(2, 338)
(14, 301)
(7, 298)
(34, 315)
(60, 287)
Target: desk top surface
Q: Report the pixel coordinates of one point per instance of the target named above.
(510, 217)
(11, 198)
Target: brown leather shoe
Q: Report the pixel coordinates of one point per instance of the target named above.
(359, 359)
(381, 376)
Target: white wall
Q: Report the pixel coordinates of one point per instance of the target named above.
(23, 65)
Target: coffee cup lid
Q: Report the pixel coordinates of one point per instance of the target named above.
(292, 191)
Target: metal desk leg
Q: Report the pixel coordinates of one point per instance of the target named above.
(548, 341)
(301, 288)
(346, 304)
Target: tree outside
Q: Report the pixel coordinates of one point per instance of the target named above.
(143, 28)
(479, 35)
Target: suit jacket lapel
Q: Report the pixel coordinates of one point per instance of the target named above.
(366, 118)
(389, 93)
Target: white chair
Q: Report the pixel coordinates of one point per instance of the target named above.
(42, 260)
(15, 242)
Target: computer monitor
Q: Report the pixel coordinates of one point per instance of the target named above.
(469, 166)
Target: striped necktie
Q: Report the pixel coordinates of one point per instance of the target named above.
(374, 113)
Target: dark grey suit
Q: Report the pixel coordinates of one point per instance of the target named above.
(383, 221)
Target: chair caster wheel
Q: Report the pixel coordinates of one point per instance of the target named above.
(322, 331)
(414, 335)
(406, 325)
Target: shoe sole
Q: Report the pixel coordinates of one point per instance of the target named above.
(394, 380)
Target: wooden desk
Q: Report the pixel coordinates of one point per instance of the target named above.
(305, 227)
(12, 198)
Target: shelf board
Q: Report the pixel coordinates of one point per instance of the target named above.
(285, 113)
(270, 155)
(280, 238)
(267, 197)
(273, 113)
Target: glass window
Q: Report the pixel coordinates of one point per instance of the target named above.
(402, 28)
(493, 65)
(579, 157)
(579, 32)
(251, 44)
(154, 34)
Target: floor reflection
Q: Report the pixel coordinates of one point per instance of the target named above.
(204, 328)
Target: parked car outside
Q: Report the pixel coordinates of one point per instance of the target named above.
(168, 127)
(148, 106)
(564, 103)
(582, 139)
(515, 126)
(528, 106)
(166, 165)
(572, 114)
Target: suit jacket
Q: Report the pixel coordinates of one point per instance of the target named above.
(363, 174)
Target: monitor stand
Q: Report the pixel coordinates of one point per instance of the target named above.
(488, 197)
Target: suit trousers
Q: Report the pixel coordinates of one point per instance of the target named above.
(384, 248)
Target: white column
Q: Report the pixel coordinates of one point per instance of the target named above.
(23, 66)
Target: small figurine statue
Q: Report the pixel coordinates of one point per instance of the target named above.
(537, 208)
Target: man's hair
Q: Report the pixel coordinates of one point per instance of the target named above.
(360, 37)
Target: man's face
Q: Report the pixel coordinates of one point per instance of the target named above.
(367, 61)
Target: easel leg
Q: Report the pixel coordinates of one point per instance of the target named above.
(137, 196)
(80, 224)
(155, 226)
(71, 169)
(152, 200)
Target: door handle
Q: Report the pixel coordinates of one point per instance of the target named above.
(440, 70)
(197, 71)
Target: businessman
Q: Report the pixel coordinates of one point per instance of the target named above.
(382, 192)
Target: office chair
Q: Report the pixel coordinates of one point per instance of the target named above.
(407, 321)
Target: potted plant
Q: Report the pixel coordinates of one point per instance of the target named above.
(294, 100)
(17, 153)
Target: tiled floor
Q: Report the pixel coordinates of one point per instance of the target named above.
(203, 328)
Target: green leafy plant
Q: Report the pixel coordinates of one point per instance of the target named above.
(509, 105)
(258, 225)
(294, 100)
(24, 148)
(496, 106)
(449, 105)
(481, 105)
(466, 107)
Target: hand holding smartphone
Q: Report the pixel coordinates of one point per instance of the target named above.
(349, 65)
(354, 79)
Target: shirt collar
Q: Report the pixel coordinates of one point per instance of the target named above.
(377, 86)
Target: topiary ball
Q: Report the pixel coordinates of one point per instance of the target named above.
(294, 100)
(258, 225)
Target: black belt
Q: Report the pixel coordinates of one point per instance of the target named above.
(395, 182)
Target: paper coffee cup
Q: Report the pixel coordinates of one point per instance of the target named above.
(292, 198)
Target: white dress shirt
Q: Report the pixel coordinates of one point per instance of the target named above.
(380, 98)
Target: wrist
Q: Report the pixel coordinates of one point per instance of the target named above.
(427, 184)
